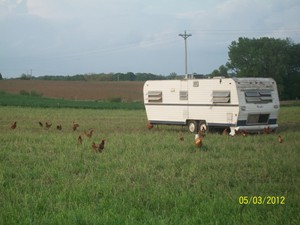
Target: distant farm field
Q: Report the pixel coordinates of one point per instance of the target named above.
(143, 176)
(78, 90)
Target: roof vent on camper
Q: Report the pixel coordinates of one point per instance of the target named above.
(220, 77)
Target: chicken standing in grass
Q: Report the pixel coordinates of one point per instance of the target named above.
(181, 138)
(14, 125)
(267, 130)
(244, 133)
(89, 133)
(41, 124)
(48, 125)
(149, 126)
(199, 139)
(95, 147)
(225, 131)
(240, 132)
(59, 127)
(79, 139)
(280, 139)
(75, 126)
(101, 146)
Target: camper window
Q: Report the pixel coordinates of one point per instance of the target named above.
(183, 95)
(221, 96)
(258, 96)
(154, 96)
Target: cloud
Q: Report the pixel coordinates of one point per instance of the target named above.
(53, 10)
(132, 34)
(8, 7)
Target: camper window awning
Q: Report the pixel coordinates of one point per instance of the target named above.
(183, 95)
(258, 96)
(154, 96)
(221, 97)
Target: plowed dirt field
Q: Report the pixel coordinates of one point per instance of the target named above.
(78, 90)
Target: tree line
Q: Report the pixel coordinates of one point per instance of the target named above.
(129, 76)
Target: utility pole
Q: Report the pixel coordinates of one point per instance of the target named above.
(185, 36)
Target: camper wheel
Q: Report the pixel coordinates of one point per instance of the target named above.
(192, 125)
(203, 126)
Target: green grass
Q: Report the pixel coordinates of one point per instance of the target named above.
(143, 176)
(34, 99)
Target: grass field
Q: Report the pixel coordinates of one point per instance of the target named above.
(36, 101)
(143, 176)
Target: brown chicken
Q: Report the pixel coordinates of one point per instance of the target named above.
(101, 146)
(14, 125)
(181, 138)
(240, 132)
(95, 147)
(199, 139)
(75, 126)
(280, 139)
(267, 130)
(244, 133)
(225, 131)
(79, 139)
(89, 133)
(149, 126)
(59, 127)
(41, 124)
(48, 125)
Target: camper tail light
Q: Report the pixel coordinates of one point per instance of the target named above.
(243, 108)
(276, 106)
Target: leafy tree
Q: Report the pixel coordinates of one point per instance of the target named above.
(130, 76)
(266, 57)
(1, 78)
(222, 71)
(25, 77)
(292, 81)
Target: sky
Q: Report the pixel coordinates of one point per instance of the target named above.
(68, 37)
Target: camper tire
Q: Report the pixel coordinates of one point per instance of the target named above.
(192, 125)
(203, 125)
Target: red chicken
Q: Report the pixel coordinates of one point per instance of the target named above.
(198, 140)
(89, 133)
(95, 147)
(14, 125)
(48, 125)
(101, 146)
(149, 126)
(59, 127)
(225, 131)
(79, 139)
(181, 138)
(267, 130)
(75, 126)
(280, 139)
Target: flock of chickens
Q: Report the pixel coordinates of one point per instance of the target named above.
(98, 148)
(201, 134)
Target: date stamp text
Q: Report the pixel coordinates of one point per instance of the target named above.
(261, 200)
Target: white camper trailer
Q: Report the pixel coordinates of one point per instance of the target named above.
(249, 104)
